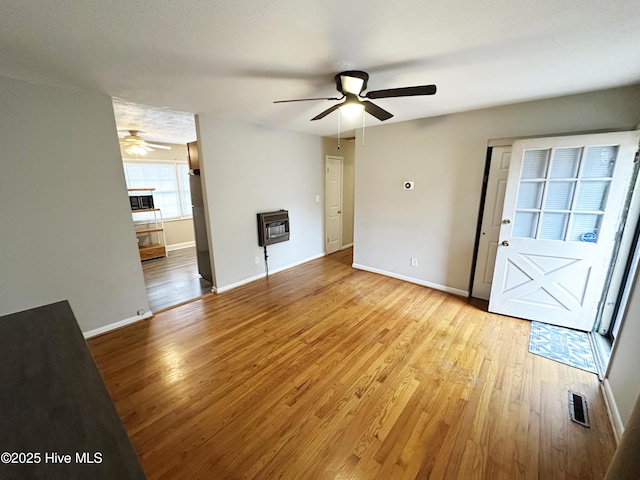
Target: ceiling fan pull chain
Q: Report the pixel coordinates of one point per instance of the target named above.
(339, 131)
(363, 118)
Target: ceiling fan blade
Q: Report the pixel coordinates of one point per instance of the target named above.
(163, 147)
(326, 112)
(402, 92)
(307, 99)
(380, 113)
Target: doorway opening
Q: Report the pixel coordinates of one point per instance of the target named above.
(166, 201)
(531, 207)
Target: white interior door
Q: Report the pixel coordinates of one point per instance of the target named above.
(563, 201)
(491, 218)
(333, 195)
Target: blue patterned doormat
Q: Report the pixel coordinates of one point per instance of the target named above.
(563, 345)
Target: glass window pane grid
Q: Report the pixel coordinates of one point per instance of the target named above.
(592, 195)
(535, 164)
(525, 224)
(565, 162)
(170, 191)
(600, 161)
(582, 223)
(553, 226)
(559, 195)
(572, 222)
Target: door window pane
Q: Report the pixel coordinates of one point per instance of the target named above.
(584, 224)
(592, 195)
(554, 226)
(530, 195)
(559, 195)
(599, 162)
(525, 224)
(565, 162)
(534, 164)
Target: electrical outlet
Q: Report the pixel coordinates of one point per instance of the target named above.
(257, 260)
(414, 262)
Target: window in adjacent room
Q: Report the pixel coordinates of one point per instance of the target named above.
(171, 183)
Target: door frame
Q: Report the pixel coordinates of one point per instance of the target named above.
(327, 158)
(621, 267)
(491, 181)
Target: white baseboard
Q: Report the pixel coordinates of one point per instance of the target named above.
(178, 246)
(435, 286)
(612, 410)
(113, 326)
(231, 286)
(344, 247)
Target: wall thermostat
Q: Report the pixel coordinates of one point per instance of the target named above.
(408, 185)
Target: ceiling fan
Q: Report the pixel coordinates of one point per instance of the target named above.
(351, 84)
(136, 145)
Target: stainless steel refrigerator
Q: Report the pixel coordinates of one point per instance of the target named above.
(197, 208)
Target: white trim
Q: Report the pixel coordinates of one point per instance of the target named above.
(344, 247)
(113, 326)
(435, 286)
(612, 410)
(508, 141)
(231, 286)
(178, 246)
(178, 219)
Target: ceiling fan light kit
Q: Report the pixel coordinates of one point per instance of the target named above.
(135, 150)
(137, 146)
(352, 107)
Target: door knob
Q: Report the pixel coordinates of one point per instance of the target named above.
(506, 221)
(505, 243)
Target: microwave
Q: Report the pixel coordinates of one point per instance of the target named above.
(141, 202)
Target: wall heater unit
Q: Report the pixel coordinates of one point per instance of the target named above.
(273, 227)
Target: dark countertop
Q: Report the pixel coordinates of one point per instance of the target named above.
(53, 403)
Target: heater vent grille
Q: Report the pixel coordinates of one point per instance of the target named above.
(578, 409)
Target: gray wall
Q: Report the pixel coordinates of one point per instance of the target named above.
(623, 378)
(66, 225)
(246, 170)
(445, 156)
(348, 152)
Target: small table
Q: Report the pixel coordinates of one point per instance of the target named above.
(57, 420)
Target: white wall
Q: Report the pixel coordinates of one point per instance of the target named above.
(66, 229)
(246, 170)
(445, 156)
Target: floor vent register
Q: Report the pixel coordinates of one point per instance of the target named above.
(578, 408)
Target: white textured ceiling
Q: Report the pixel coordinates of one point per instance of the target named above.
(232, 58)
(154, 124)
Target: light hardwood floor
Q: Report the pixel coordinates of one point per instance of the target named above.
(173, 279)
(326, 372)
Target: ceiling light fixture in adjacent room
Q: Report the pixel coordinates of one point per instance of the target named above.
(135, 150)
